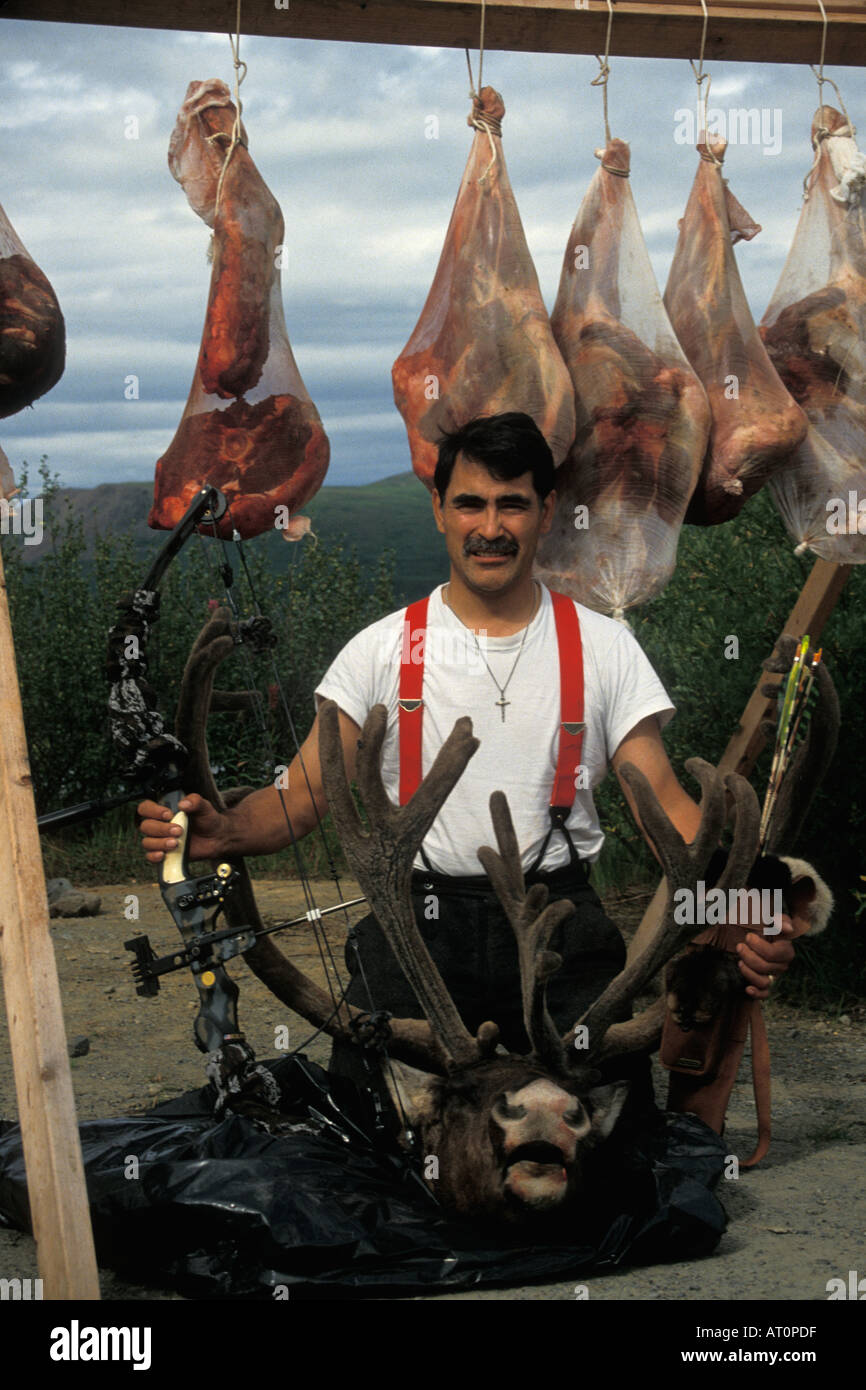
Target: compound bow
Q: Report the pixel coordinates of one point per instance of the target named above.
(159, 761)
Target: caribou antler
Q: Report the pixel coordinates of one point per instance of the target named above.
(411, 1039)
(214, 643)
(533, 922)
(684, 866)
(382, 857)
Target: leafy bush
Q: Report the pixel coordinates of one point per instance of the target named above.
(62, 609)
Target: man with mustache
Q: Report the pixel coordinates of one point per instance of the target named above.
(488, 643)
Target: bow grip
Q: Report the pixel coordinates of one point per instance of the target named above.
(175, 867)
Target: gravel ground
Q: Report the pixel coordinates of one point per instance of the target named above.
(796, 1221)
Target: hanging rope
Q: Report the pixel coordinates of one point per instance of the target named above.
(703, 96)
(601, 81)
(822, 131)
(479, 119)
(236, 128)
(480, 47)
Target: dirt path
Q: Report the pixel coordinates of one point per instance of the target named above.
(796, 1222)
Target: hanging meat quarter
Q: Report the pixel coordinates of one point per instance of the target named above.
(32, 331)
(755, 422)
(815, 332)
(642, 416)
(483, 343)
(249, 427)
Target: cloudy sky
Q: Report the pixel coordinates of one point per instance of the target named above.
(340, 134)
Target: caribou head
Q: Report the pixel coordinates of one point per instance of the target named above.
(513, 1135)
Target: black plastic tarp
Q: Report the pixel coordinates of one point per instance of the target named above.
(329, 1208)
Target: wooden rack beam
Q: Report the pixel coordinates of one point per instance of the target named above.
(763, 31)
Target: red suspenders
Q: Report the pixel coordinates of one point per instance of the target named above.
(571, 726)
(411, 703)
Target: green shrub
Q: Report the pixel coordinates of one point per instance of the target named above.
(62, 609)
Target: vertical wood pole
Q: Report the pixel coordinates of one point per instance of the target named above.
(46, 1104)
(817, 600)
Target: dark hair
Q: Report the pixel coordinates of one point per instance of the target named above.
(506, 445)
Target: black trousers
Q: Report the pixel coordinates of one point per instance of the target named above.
(472, 943)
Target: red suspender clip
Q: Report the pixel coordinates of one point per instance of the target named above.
(571, 728)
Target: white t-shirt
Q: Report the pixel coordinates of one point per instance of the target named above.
(518, 754)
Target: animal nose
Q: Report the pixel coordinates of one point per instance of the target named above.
(504, 1109)
(541, 1112)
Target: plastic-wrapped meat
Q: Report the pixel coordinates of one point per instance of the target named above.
(32, 331)
(483, 343)
(755, 422)
(249, 427)
(815, 333)
(642, 415)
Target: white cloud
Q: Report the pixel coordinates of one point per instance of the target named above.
(85, 458)
(723, 88)
(186, 40)
(389, 421)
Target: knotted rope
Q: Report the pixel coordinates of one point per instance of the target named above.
(823, 132)
(236, 138)
(703, 96)
(601, 81)
(477, 116)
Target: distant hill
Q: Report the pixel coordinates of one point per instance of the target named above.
(392, 514)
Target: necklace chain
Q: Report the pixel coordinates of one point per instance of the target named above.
(501, 702)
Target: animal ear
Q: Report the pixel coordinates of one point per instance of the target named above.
(810, 896)
(414, 1093)
(606, 1103)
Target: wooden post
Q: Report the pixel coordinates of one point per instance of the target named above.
(46, 1104)
(817, 600)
